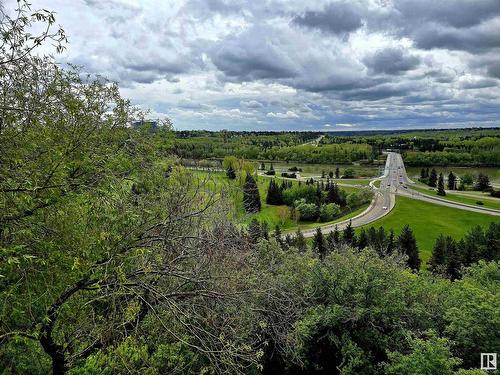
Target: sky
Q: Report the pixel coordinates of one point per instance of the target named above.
(294, 65)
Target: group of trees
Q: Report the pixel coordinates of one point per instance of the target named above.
(467, 181)
(449, 257)
(316, 201)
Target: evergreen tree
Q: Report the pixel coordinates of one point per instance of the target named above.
(289, 240)
(333, 195)
(274, 194)
(432, 178)
(381, 238)
(336, 235)
(262, 166)
(337, 173)
(407, 244)
(437, 263)
(318, 196)
(482, 183)
(300, 241)
(230, 173)
(254, 231)
(492, 243)
(330, 174)
(453, 264)
(271, 168)
(323, 174)
(279, 236)
(251, 196)
(372, 236)
(362, 239)
(441, 186)
(422, 173)
(348, 234)
(451, 181)
(319, 245)
(426, 172)
(331, 244)
(391, 243)
(264, 230)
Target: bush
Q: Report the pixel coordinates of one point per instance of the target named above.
(480, 203)
(297, 192)
(495, 193)
(307, 211)
(288, 175)
(271, 172)
(295, 169)
(359, 198)
(328, 212)
(348, 173)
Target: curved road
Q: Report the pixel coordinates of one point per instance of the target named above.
(394, 181)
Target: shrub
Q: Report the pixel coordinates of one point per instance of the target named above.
(328, 212)
(307, 211)
(480, 203)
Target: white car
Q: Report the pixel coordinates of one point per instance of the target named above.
(385, 207)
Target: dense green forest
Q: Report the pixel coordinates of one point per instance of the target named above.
(467, 147)
(116, 260)
(264, 146)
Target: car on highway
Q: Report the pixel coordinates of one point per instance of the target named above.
(385, 207)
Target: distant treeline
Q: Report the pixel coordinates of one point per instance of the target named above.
(474, 147)
(287, 146)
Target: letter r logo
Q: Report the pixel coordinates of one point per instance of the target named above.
(488, 361)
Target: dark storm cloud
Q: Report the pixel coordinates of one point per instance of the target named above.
(476, 39)
(391, 61)
(252, 56)
(335, 18)
(493, 69)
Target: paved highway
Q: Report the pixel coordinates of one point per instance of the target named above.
(395, 181)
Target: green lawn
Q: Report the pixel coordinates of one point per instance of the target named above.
(428, 220)
(377, 183)
(489, 203)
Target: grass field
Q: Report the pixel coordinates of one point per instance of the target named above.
(488, 203)
(354, 181)
(428, 220)
(272, 215)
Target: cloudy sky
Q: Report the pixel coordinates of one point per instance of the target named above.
(290, 64)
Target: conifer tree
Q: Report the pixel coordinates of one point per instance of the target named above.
(432, 178)
(264, 230)
(348, 234)
(251, 196)
(262, 166)
(482, 183)
(331, 244)
(330, 174)
(372, 236)
(274, 194)
(407, 244)
(362, 239)
(230, 173)
(279, 236)
(426, 172)
(451, 181)
(422, 173)
(300, 241)
(254, 231)
(441, 186)
(380, 245)
(337, 173)
(319, 195)
(437, 263)
(336, 235)
(319, 245)
(391, 243)
(453, 264)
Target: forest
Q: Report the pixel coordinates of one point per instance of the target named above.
(115, 259)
